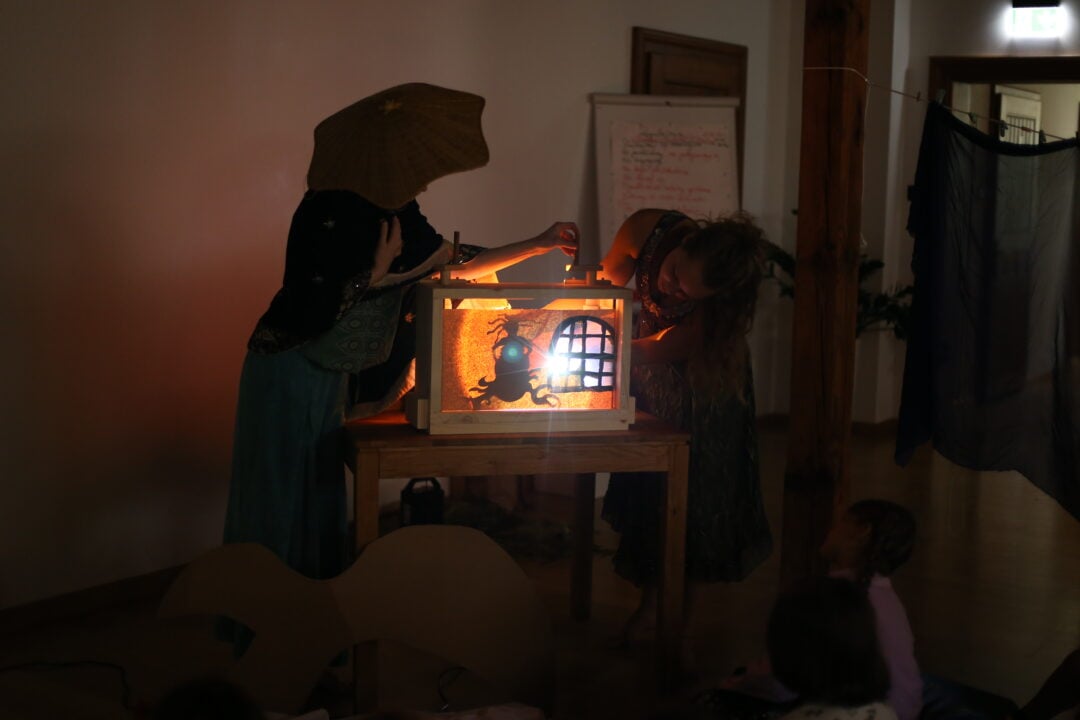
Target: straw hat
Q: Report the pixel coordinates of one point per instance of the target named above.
(389, 146)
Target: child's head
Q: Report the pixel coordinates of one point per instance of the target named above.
(872, 537)
(823, 643)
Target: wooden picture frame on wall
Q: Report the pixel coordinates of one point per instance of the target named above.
(664, 63)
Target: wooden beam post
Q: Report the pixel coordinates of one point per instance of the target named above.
(826, 278)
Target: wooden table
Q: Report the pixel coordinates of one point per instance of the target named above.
(386, 446)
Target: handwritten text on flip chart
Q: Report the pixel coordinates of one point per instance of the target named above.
(690, 168)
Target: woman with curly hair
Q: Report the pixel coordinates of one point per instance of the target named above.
(698, 284)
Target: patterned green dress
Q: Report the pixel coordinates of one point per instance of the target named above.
(727, 532)
(329, 347)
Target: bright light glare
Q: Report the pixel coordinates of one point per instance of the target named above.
(557, 364)
(1047, 22)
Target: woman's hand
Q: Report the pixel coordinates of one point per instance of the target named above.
(561, 235)
(387, 249)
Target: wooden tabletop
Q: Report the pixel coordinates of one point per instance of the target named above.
(387, 446)
(391, 429)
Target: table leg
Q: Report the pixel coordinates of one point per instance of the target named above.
(366, 499)
(581, 574)
(673, 557)
(366, 519)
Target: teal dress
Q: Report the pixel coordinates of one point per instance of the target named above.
(328, 345)
(288, 482)
(727, 532)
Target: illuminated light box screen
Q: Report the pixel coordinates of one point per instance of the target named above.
(521, 358)
(529, 359)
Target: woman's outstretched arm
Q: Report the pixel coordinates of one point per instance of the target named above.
(560, 236)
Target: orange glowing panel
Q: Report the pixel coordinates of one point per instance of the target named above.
(529, 359)
(516, 357)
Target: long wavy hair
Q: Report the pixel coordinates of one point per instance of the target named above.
(731, 251)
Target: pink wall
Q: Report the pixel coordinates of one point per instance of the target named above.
(154, 153)
(143, 207)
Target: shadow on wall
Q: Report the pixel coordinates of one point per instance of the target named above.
(123, 354)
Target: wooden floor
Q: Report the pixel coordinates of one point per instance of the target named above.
(993, 593)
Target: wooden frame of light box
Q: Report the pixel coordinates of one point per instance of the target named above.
(424, 405)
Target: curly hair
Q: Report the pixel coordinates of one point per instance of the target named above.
(731, 251)
(890, 540)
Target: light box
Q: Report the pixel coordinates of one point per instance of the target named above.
(512, 357)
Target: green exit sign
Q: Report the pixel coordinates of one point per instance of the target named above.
(1043, 22)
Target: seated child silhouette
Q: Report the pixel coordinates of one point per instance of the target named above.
(823, 645)
(866, 545)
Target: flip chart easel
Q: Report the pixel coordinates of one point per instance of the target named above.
(661, 151)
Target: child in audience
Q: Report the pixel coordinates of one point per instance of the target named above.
(823, 646)
(866, 545)
(870, 542)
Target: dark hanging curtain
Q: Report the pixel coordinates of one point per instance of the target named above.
(993, 359)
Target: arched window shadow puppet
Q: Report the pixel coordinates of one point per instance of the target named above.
(587, 350)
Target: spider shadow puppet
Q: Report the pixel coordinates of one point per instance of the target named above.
(513, 376)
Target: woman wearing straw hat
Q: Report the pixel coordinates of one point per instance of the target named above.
(336, 340)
